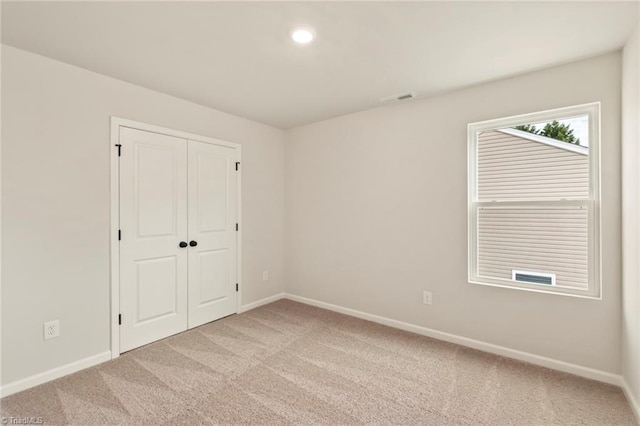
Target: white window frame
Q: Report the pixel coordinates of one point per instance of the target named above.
(592, 110)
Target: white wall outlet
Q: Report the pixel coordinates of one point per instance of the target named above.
(426, 297)
(51, 329)
(265, 275)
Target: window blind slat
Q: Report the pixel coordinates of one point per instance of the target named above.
(542, 242)
(532, 168)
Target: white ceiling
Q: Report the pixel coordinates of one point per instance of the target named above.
(237, 57)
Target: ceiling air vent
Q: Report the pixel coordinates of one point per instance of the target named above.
(533, 277)
(399, 97)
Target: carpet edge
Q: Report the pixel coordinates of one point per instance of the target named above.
(633, 402)
(554, 364)
(54, 373)
(261, 302)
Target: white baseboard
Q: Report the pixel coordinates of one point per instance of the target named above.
(633, 401)
(566, 367)
(258, 303)
(73, 367)
(54, 373)
(578, 370)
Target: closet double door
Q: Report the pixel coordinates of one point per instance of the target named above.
(178, 236)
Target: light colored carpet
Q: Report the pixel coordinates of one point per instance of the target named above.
(291, 363)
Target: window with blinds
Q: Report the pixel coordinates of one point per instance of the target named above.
(534, 201)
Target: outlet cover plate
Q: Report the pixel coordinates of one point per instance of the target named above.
(51, 329)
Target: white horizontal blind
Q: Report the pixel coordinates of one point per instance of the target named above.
(552, 240)
(513, 168)
(531, 209)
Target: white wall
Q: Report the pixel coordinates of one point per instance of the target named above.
(55, 205)
(376, 212)
(631, 215)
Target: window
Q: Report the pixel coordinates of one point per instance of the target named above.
(534, 201)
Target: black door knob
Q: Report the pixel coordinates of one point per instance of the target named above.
(183, 244)
(193, 243)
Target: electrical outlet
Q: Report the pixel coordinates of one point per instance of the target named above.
(426, 297)
(265, 275)
(51, 329)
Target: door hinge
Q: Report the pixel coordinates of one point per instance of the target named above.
(237, 227)
(119, 234)
(119, 319)
(119, 148)
(236, 286)
(237, 165)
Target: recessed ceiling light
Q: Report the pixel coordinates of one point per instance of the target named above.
(303, 35)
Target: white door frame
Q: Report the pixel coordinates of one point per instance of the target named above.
(116, 123)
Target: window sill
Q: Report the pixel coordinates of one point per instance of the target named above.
(579, 294)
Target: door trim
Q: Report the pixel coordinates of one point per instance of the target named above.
(114, 219)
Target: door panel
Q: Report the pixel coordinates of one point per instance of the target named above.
(153, 221)
(212, 192)
(214, 275)
(156, 283)
(155, 190)
(212, 224)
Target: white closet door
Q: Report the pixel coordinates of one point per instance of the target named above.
(212, 225)
(153, 222)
